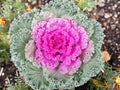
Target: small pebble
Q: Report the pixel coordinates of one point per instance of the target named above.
(113, 26)
(115, 15)
(101, 4)
(107, 15)
(101, 12)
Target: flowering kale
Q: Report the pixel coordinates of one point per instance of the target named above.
(56, 46)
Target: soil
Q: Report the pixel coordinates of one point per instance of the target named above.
(107, 13)
(8, 74)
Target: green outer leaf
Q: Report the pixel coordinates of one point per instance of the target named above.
(20, 32)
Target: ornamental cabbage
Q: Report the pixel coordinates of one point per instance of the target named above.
(56, 46)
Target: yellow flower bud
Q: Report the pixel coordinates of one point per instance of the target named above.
(29, 8)
(117, 80)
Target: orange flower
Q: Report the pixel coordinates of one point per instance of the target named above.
(29, 8)
(3, 21)
(117, 80)
(0, 33)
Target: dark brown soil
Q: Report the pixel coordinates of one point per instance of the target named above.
(108, 14)
(8, 74)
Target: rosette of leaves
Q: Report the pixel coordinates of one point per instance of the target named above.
(19, 86)
(4, 47)
(9, 9)
(4, 52)
(12, 8)
(104, 80)
(38, 77)
(86, 4)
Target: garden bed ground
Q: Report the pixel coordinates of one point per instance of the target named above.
(108, 14)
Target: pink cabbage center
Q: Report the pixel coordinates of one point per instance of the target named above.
(60, 43)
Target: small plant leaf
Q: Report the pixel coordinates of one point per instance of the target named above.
(99, 83)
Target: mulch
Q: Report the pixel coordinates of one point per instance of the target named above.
(107, 13)
(7, 74)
